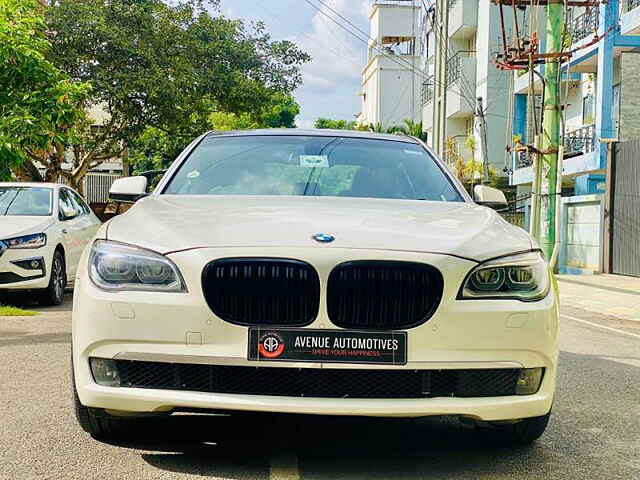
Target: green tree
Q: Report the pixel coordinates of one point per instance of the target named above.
(167, 66)
(155, 149)
(468, 171)
(280, 112)
(39, 104)
(327, 123)
(413, 129)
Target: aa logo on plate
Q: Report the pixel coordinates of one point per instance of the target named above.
(271, 345)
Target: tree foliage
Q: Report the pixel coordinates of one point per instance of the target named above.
(409, 127)
(155, 149)
(158, 66)
(327, 123)
(39, 104)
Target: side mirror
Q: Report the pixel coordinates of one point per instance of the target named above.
(489, 197)
(68, 213)
(128, 189)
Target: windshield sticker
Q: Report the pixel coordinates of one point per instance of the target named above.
(412, 152)
(313, 161)
(193, 174)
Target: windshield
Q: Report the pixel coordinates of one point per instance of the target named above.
(312, 166)
(27, 201)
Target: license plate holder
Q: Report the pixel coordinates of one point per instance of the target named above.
(327, 346)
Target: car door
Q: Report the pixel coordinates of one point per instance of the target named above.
(71, 226)
(90, 223)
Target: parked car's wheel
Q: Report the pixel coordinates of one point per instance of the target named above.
(97, 423)
(53, 294)
(523, 432)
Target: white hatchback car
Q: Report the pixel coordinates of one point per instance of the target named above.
(44, 228)
(316, 272)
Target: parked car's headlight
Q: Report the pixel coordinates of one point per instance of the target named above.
(117, 266)
(35, 240)
(523, 277)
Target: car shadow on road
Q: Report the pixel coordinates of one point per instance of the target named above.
(30, 302)
(242, 446)
(356, 447)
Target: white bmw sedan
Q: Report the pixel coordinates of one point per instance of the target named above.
(315, 272)
(44, 228)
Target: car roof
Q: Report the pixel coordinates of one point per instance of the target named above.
(31, 184)
(314, 133)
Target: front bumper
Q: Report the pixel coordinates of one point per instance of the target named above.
(486, 409)
(13, 276)
(180, 328)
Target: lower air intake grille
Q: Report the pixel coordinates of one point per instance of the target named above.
(319, 383)
(262, 291)
(383, 295)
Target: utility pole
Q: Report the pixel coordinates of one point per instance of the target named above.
(441, 31)
(523, 54)
(550, 141)
(483, 140)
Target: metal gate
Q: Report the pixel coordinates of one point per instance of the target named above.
(625, 251)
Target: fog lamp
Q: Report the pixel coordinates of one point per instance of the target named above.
(529, 381)
(35, 263)
(105, 372)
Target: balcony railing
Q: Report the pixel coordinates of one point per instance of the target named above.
(631, 4)
(523, 159)
(585, 25)
(454, 65)
(577, 142)
(580, 141)
(426, 94)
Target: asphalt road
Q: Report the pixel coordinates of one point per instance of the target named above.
(594, 432)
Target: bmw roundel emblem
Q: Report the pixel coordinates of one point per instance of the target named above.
(323, 238)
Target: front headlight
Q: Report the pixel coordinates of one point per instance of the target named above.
(35, 240)
(522, 277)
(117, 266)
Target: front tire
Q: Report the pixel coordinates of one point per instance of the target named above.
(54, 293)
(97, 423)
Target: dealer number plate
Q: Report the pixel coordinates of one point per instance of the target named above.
(339, 346)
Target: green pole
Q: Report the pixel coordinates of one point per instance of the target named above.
(550, 141)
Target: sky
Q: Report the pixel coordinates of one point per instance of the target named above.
(332, 80)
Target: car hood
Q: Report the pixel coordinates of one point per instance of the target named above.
(17, 225)
(168, 223)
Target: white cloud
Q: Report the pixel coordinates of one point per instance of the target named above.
(365, 8)
(337, 55)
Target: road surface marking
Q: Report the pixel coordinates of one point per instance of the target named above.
(283, 466)
(597, 325)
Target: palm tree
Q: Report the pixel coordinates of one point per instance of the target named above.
(410, 128)
(379, 128)
(414, 129)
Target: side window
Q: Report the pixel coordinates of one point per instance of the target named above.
(64, 202)
(84, 208)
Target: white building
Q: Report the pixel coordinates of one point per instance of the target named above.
(392, 79)
(459, 41)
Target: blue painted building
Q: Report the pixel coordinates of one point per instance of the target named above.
(593, 84)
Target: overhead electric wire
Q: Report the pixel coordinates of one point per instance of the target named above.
(465, 83)
(466, 90)
(395, 59)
